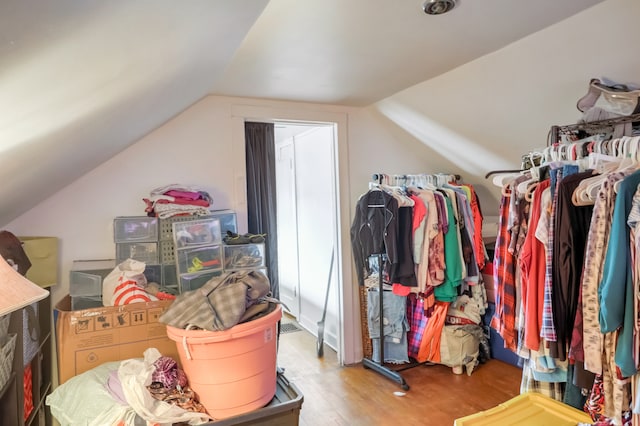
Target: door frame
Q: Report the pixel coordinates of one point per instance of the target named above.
(349, 339)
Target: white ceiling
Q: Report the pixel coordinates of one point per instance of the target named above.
(82, 80)
(357, 52)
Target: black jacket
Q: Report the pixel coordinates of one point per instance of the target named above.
(374, 230)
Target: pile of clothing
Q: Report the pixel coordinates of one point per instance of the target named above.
(169, 384)
(222, 302)
(148, 390)
(176, 199)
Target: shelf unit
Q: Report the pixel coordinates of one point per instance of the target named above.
(12, 395)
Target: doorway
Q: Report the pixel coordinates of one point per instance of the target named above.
(307, 224)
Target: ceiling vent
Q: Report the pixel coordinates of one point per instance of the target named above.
(438, 7)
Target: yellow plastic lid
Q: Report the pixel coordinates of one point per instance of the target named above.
(528, 409)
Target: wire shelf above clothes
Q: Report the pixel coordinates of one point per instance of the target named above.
(590, 127)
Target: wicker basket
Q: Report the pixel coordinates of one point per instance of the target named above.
(367, 345)
(7, 350)
(4, 324)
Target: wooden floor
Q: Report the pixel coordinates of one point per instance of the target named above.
(353, 395)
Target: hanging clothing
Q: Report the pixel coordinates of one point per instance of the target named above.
(616, 291)
(532, 264)
(374, 230)
(504, 317)
(427, 240)
(454, 272)
(430, 344)
(403, 271)
(572, 227)
(597, 241)
(548, 331)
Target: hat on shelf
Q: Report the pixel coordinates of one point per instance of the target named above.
(16, 291)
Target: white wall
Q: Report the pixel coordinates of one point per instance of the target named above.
(479, 117)
(484, 115)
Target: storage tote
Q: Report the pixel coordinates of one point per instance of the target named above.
(528, 409)
(232, 371)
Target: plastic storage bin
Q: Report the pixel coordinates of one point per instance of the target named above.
(85, 302)
(170, 277)
(166, 225)
(190, 282)
(528, 409)
(282, 410)
(195, 233)
(143, 252)
(228, 220)
(135, 229)
(243, 256)
(496, 343)
(86, 276)
(228, 388)
(86, 284)
(153, 273)
(83, 283)
(201, 259)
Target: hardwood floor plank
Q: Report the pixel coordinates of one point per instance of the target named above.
(353, 395)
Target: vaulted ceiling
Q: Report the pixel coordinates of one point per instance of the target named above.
(82, 80)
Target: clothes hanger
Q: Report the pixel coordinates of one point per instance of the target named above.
(587, 190)
(521, 188)
(528, 195)
(399, 194)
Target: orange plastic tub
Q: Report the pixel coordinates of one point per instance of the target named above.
(232, 371)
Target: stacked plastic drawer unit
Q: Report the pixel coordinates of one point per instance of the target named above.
(238, 257)
(198, 252)
(170, 274)
(136, 237)
(85, 282)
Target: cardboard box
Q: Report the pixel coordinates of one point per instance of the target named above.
(43, 254)
(90, 337)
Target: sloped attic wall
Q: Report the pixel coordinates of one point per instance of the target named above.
(486, 114)
(479, 117)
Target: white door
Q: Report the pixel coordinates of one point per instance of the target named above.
(287, 226)
(316, 214)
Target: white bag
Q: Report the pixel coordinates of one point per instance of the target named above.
(125, 285)
(135, 375)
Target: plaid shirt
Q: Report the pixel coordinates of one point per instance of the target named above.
(220, 303)
(504, 317)
(553, 390)
(548, 331)
(417, 324)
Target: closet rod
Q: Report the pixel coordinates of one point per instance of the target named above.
(590, 126)
(496, 172)
(379, 178)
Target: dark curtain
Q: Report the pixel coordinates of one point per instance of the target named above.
(261, 192)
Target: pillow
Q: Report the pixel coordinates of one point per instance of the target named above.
(85, 400)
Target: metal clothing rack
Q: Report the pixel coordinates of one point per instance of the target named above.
(590, 127)
(380, 367)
